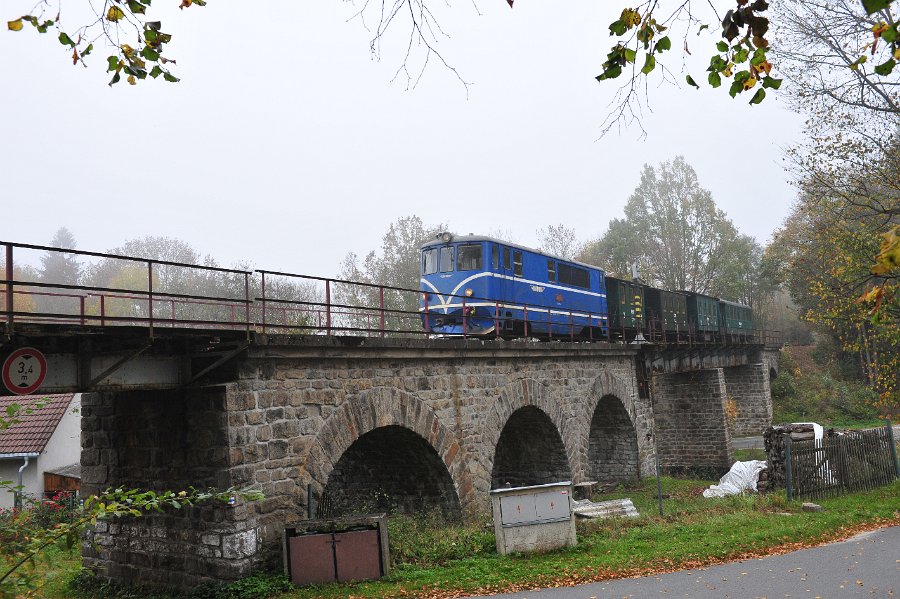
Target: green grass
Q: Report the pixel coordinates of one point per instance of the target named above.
(745, 455)
(430, 557)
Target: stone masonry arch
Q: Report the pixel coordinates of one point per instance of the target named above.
(524, 393)
(616, 396)
(378, 408)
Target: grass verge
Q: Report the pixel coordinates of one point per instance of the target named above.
(437, 561)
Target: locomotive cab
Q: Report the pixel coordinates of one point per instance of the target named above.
(454, 287)
(482, 286)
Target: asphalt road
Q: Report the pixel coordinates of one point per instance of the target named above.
(868, 565)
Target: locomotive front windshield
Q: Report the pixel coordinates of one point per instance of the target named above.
(429, 262)
(468, 257)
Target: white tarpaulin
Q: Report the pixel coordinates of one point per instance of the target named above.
(742, 477)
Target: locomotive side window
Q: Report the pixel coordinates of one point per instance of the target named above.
(429, 262)
(506, 258)
(551, 271)
(495, 257)
(447, 259)
(571, 275)
(468, 257)
(517, 264)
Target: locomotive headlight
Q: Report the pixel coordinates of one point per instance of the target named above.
(468, 293)
(426, 297)
(446, 237)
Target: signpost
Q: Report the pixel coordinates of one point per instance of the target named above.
(24, 371)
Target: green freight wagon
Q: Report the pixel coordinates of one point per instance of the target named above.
(703, 313)
(737, 321)
(667, 313)
(625, 302)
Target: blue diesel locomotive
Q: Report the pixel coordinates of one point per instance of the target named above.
(477, 285)
(481, 286)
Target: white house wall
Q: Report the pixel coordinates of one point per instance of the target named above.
(63, 449)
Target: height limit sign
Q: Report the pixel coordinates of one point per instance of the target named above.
(24, 371)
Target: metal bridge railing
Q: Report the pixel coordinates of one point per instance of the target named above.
(133, 291)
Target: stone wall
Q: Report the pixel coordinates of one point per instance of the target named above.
(163, 440)
(748, 391)
(691, 429)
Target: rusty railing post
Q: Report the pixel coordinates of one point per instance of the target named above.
(464, 316)
(427, 324)
(81, 307)
(328, 307)
(9, 289)
(246, 303)
(263, 293)
(496, 320)
(381, 306)
(150, 295)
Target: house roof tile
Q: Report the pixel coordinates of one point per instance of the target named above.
(33, 430)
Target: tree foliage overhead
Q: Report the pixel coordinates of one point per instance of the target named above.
(678, 237)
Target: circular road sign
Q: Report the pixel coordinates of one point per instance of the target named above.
(24, 371)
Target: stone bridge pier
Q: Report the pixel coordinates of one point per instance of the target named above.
(370, 425)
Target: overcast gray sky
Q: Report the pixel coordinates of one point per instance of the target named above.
(285, 144)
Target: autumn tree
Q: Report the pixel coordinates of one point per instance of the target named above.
(394, 264)
(826, 249)
(678, 238)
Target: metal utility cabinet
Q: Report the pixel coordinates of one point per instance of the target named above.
(320, 551)
(537, 518)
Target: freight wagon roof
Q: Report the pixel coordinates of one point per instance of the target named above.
(734, 304)
(479, 238)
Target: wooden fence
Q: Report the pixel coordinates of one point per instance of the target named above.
(839, 464)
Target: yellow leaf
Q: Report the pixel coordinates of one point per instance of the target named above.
(114, 14)
(132, 80)
(879, 28)
(15, 25)
(630, 17)
(749, 82)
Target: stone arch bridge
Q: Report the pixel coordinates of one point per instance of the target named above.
(363, 423)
